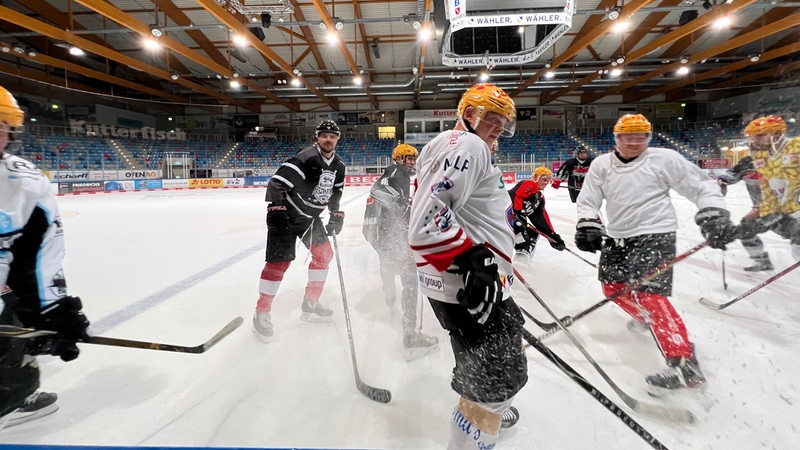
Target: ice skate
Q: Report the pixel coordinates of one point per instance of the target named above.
(38, 404)
(682, 372)
(510, 417)
(760, 263)
(315, 312)
(417, 345)
(262, 326)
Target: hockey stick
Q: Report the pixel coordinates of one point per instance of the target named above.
(593, 391)
(373, 393)
(546, 326)
(16, 332)
(569, 320)
(718, 306)
(666, 412)
(565, 248)
(724, 278)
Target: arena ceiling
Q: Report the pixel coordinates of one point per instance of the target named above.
(284, 39)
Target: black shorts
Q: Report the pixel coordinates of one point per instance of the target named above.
(490, 363)
(629, 259)
(281, 243)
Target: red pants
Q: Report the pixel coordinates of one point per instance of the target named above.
(655, 310)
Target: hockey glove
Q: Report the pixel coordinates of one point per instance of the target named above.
(482, 288)
(66, 318)
(277, 218)
(589, 235)
(749, 227)
(716, 226)
(556, 183)
(557, 243)
(335, 223)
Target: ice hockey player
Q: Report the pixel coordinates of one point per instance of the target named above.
(574, 171)
(777, 161)
(386, 229)
(639, 235)
(527, 198)
(31, 274)
(298, 193)
(462, 237)
(744, 170)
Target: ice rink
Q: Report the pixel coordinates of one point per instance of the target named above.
(175, 266)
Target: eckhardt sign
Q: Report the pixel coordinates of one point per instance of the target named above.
(150, 133)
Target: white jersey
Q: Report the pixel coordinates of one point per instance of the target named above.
(31, 237)
(637, 193)
(460, 201)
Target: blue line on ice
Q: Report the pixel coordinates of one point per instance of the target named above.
(101, 326)
(123, 315)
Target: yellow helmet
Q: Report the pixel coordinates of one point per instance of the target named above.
(633, 123)
(765, 125)
(542, 171)
(10, 113)
(487, 98)
(404, 150)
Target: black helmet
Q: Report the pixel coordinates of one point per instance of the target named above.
(328, 126)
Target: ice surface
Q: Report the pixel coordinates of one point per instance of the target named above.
(175, 266)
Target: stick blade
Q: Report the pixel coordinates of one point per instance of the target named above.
(228, 329)
(709, 304)
(23, 333)
(373, 393)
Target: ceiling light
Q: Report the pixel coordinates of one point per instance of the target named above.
(19, 50)
(174, 76)
(155, 31)
(620, 59)
(683, 70)
(613, 13)
(549, 74)
(548, 64)
(322, 26)
(74, 51)
(685, 59)
(235, 84)
(357, 80)
(338, 24)
(296, 82)
(413, 21)
(755, 58)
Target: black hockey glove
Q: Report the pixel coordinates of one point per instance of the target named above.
(557, 243)
(277, 218)
(522, 228)
(335, 223)
(589, 235)
(716, 226)
(66, 318)
(749, 227)
(482, 287)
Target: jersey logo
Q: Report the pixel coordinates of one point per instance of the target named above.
(444, 185)
(464, 165)
(431, 282)
(324, 189)
(443, 219)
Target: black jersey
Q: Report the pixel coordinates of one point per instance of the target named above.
(307, 183)
(388, 205)
(574, 171)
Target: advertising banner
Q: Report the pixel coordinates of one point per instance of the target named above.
(235, 182)
(148, 184)
(360, 180)
(137, 174)
(87, 186)
(125, 185)
(715, 163)
(205, 183)
(509, 177)
(174, 184)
